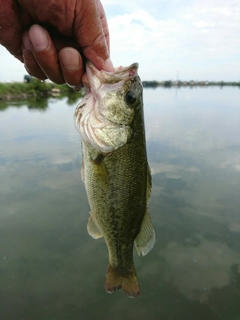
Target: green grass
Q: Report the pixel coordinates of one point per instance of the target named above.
(34, 88)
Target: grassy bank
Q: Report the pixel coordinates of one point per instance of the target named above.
(33, 89)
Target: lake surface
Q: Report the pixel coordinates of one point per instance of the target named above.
(50, 268)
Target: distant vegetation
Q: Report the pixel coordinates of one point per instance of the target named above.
(35, 88)
(170, 83)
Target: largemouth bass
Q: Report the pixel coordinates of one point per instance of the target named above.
(115, 170)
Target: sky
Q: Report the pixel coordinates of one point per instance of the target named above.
(170, 39)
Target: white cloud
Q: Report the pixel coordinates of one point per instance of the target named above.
(11, 69)
(140, 34)
(172, 171)
(201, 39)
(196, 270)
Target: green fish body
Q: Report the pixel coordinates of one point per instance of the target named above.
(115, 170)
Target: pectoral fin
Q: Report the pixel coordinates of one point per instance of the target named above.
(82, 168)
(93, 228)
(145, 240)
(82, 171)
(149, 183)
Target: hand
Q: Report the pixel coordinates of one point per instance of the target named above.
(54, 37)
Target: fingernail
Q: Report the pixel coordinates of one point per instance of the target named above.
(38, 37)
(26, 42)
(77, 88)
(70, 59)
(108, 65)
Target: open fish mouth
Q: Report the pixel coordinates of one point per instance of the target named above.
(104, 116)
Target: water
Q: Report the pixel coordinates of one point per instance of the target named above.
(50, 268)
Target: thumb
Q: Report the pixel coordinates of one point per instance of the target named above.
(91, 33)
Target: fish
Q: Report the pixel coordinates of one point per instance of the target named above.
(115, 170)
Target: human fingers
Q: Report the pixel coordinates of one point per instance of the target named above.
(104, 25)
(69, 58)
(11, 26)
(72, 67)
(92, 33)
(30, 62)
(45, 55)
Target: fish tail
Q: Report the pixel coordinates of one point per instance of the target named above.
(122, 279)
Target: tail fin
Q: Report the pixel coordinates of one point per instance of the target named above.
(125, 280)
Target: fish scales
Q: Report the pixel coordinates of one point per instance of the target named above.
(115, 171)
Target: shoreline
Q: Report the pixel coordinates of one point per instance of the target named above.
(34, 89)
(192, 83)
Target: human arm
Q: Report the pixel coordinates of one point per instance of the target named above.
(54, 37)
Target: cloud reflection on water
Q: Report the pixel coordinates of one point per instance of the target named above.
(195, 270)
(193, 153)
(197, 183)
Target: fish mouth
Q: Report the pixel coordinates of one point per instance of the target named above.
(104, 118)
(120, 74)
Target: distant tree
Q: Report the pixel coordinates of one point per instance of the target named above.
(27, 78)
(168, 83)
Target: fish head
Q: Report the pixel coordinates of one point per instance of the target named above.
(117, 94)
(105, 116)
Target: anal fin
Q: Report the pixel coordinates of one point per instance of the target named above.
(149, 183)
(145, 240)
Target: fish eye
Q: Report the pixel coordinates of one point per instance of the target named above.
(130, 97)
